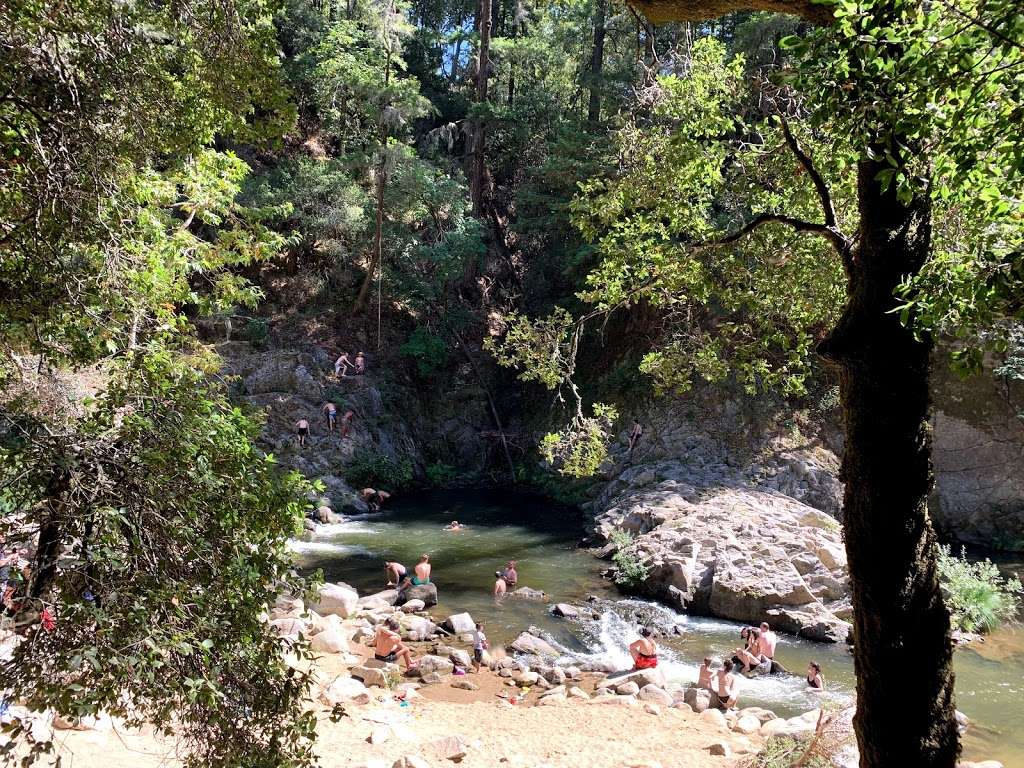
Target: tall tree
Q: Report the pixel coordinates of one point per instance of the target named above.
(597, 62)
(478, 136)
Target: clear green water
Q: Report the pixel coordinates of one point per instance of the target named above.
(542, 537)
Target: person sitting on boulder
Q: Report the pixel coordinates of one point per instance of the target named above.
(726, 686)
(360, 365)
(331, 412)
(750, 657)
(422, 570)
(644, 651)
(395, 572)
(342, 364)
(814, 679)
(500, 587)
(767, 642)
(705, 673)
(302, 430)
(388, 645)
(511, 575)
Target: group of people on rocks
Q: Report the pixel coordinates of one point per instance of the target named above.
(398, 575)
(330, 412)
(343, 363)
(757, 656)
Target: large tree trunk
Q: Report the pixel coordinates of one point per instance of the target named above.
(378, 243)
(597, 62)
(477, 146)
(902, 650)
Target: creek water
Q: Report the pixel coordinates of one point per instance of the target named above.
(542, 536)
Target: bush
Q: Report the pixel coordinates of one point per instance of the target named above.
(256, 332)
(371, 469)
(442, 475)
(630, 568)
(428, 350)
(977, 595)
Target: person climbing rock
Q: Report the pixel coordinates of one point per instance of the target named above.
(331, 412)
(634, 436)
(346, 422)
(360, 364)
(302, 430)
(341, 365)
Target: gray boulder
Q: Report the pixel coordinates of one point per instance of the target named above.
(527, 643)
(699, 699)
(459, 623)
(425, 592)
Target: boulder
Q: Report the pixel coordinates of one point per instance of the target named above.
(578, 693)
(410, 761)
(431, 663)
(382, 677)
(554, 675)
(643, 677)
(460, 658)
(465, 685)
(345, 689)
(656, 695)
(330, 641)
(628, 688)
(698, 699)
(448, 748)
(425, 592)
(459, 622)
(528, 594)
(336, 600)
(713, 717)
(526, 678)
(747, 724)
(565, 610)
(430, 678)
(527, 643)
(720, 749)
(288, 628)
(417, 627)
(413, 606)
(287, 607)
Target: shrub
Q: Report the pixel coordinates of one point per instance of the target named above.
(630, 568)
(977, 595)
(369, 468)
(256, 332)
(441, 475)
(428, 350)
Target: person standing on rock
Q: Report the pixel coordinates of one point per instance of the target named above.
(302, 430)
(331, 412)
(422, 570)
(341, 365)
(644, 651)
(388, 645)
(480, 645)
(726, 686)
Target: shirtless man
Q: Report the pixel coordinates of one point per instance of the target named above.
(510, 574)
(395, 571)
(704, 674)
(767, 641)
(331, 412)
(341, 365)
(388, 645)
(500, 587)
(302, 429)
(346, 422)
(726, 686)
(360, 364)
(751, 657)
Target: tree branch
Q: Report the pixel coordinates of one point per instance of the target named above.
(819, 183)
(836, 238)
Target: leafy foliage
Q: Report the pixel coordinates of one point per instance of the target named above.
(979, 597)
(371, 469)
(630, 567)
(428, 350)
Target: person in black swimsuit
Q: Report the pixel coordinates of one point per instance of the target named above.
(814, 678)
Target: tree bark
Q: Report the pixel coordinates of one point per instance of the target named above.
(597, 62)
(477, 147)
(901, 625)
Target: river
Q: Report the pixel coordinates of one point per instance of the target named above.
(542, 536)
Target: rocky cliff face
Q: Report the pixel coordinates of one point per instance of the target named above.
(733, 514)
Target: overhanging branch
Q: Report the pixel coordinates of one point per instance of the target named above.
(662, 11)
